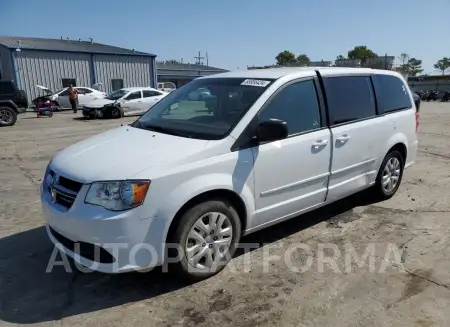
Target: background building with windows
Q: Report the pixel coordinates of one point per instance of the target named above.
(56, 63)
(181, 73)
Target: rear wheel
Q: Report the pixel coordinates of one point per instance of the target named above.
(390, 175)
(8, 116)
(207, 236)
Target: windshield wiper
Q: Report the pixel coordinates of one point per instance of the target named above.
(164, 130)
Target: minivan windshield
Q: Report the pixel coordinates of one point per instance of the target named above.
(206, 108)
(116, 95)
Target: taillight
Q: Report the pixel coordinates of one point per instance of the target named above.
(417, 122)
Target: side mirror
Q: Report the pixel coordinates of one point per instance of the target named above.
(271, 130)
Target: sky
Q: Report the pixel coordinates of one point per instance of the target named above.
(237, 33)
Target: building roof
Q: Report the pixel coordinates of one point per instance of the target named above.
(187, 66)
(34, 43)
(275, 73)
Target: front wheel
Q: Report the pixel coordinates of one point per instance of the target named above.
(116, 113)
(206, 238)
(8, 116)
(390, 175)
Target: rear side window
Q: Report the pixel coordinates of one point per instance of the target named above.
(392, 93)
(6, 88)
(349, 98)
(148, 93)
(297, 105)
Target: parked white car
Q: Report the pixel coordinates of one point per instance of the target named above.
(276, 144)
(167, 87)
(85, 95)
(124, 102)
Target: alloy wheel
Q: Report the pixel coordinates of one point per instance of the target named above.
(6, 116)
(391, 175)
(209, 240)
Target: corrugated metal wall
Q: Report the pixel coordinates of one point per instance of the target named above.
(134, 70)
(49, 68)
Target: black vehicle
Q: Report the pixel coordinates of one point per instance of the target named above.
(445, 97)
(12, 102)
(432, 96)
(423, 95)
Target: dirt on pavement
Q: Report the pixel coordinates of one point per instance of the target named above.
(354, 263)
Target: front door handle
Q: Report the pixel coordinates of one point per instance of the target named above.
(320, 143)
(343, 138)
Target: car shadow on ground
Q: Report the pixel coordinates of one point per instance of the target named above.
(29, 294)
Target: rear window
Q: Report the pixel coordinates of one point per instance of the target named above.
(350, 98)
(392, 93)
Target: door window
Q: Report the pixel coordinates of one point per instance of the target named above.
(116, 84)
(86, 91)
(148, 93)
(392, 93)
(349, 98)
(134, 96)
(66, 82)
(297, 105)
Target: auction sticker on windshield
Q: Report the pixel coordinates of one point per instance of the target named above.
(255, 82)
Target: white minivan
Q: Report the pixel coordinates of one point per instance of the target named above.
(185, 181)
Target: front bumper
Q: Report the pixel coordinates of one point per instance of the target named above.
(107, 241)
(93, 112)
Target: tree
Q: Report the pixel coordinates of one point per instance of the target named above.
(414, 67)
(443, 64)
(404, 57)
(172, 61)
(303, 59)
(285, 57)
(340, 57)
(361, 52)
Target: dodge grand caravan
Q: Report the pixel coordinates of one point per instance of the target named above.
(184, 182)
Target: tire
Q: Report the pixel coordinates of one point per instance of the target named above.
(116, 113)
(8, 116)
(386, 192)
(218, 209)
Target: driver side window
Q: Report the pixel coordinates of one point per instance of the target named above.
(297, 105)
(133, 96)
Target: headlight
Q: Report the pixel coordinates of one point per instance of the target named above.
(117, 196)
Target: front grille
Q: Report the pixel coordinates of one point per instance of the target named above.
(70, 184)
(89, 251)
(64, 191)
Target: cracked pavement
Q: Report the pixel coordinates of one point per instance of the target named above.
(401, 279)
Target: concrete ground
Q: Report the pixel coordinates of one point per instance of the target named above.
(405, 280)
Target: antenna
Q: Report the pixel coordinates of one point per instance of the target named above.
(199, 59)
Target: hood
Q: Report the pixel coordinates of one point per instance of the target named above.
(121, 153)
(98, 103)
(45, 89)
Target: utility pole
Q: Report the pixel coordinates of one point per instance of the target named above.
(199, 59)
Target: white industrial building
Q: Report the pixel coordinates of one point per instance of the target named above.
(56, 63)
